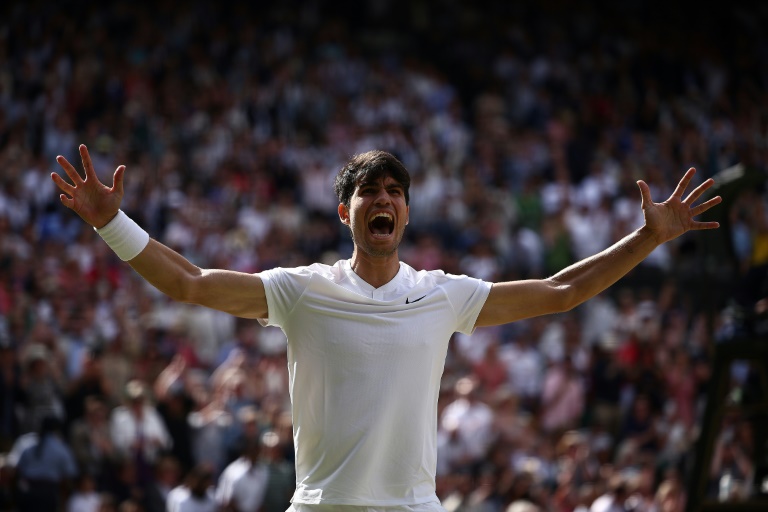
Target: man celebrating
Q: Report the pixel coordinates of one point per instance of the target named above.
(368, 336)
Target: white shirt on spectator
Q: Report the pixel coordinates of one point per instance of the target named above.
(525, 366)
(242, 483)
(473, 420)
(84, 502)
(125, 429)
(589, 229)
(606, 503)
(181, 500)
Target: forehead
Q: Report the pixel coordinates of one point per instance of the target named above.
(382, 180)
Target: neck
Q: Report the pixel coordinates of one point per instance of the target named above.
(375, 270)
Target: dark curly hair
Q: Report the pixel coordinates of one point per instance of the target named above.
(366, 168)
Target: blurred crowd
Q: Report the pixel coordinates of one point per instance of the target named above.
(525, 128)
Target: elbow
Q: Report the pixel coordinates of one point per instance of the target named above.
(188, 292)
(186, 289)
(564, 297)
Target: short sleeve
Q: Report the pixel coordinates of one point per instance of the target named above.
(467, 296)
(283, 288)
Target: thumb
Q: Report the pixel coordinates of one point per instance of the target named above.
(117, 180)
(645, 194)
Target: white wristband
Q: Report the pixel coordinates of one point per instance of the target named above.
(124, 236)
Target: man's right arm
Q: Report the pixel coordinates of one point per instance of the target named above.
(237, 293)
(99, 205)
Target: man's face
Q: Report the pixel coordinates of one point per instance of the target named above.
(377, 216)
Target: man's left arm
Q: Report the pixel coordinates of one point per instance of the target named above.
(516, 300)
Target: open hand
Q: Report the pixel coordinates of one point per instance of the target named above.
(675, 216)
(93, 201)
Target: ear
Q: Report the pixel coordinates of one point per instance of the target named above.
(343, 214)
(407, 214)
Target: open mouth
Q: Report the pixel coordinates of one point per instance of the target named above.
(381, 224)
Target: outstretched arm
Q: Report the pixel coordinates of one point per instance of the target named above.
(237, 293)
(515, 300)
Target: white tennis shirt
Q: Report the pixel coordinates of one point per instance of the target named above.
(364, 366)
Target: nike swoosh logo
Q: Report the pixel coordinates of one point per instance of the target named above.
(412, 301)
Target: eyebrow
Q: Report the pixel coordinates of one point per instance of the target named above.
(374, 184)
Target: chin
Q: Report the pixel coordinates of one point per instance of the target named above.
(379, 252)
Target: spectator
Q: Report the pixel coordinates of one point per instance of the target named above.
(211, 425)
(10, 395)
(639, 431)
(282, 476)
(91, 440)
(138, 433)
(196, 494)
(175, 402)
(576, 461)
(562, 398)
(245, 340)
(167, 475)
(246, 431)
(613, 500)
(670, 497)
(525, 367)
(45, 470)
(243, 483)
(491, 373)
(451, 449)
(732, 469)
(107, 503)
(77, 336)
(681, 386)
(90, 382)
(123, 483)
(42, 388)
(458, 499)
(509, 418)
(84, 498)
(606, 381)
(484, 496)
(471, 417)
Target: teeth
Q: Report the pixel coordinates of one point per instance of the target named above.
(381, 229)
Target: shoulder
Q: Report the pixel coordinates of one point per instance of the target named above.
(120, 411)
(235, 469)
(178, 494)
(301, 273)
(22, 443)
(439, 277)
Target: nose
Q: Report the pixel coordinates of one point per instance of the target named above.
(382, 197)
